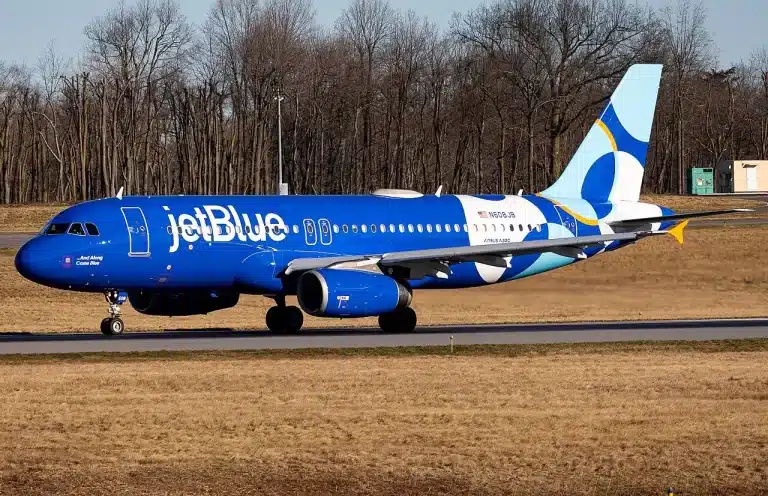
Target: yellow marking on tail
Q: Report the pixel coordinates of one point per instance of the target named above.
(608, 133)
(677, 231)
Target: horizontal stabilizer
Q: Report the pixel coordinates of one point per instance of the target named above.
(676, 217)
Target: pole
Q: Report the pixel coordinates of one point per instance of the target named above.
(279, 145)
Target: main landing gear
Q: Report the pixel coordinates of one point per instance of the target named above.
(113, 325)
(401, 320)
(284, 319)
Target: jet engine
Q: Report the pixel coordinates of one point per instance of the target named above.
(350, 293)
(181, 304)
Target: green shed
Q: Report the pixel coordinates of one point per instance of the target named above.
(701, 181)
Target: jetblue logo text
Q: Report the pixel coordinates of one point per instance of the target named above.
(214, 223)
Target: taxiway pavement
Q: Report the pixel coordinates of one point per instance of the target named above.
(225, 339)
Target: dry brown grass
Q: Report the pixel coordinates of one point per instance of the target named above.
(616, 422)
(717, 273)
(30, 218)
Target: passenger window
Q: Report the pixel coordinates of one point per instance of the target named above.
(429, 228)
(324, 227)
(295, 229)
(92, 229)
(529, 228)
(373, 228)
(354, 228)
(57, 229)
(494, 227)
(419, 228)
(511, 228)
(410, 228)
(538, 228)
(476, 228)
(336, 228)
(503, 228)
(383, 228)
(345, 228)
(76, 229)
(485, 227)
(309, 226)
(401, 228)
(521, 227)
(447, 228)
(465, 228)
(364, 228)
(170, 231)
(438, 228)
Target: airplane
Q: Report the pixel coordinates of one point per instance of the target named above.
(360, 255)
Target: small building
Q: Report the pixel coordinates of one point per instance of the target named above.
(742, 176)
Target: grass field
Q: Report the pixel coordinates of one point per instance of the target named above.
(716, 273)
(590, 419)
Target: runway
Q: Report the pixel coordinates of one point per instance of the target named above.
(224, 339)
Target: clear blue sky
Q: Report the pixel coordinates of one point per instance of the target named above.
(26, 26)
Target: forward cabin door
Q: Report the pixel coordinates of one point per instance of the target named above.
(138, 232)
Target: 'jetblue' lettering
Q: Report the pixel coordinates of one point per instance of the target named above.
(214, 223)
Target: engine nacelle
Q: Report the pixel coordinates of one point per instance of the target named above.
(350, 293)
(181, 304)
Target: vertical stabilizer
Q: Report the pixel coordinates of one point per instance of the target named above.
(609, 164)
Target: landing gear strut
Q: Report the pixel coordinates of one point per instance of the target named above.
(284, 319)
(401, 320)
(113, 325)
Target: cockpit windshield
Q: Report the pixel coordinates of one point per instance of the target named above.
(56, 228)
(77, 229)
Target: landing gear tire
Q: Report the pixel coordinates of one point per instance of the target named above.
(112, 326)
(401, 320)
(285, 319)
(293, 319)
(275, 319)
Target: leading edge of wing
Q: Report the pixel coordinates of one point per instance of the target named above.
(504, 249)
(459, 253)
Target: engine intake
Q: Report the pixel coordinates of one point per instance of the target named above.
(350, 293)
(181, 304)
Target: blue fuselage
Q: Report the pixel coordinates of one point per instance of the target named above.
(246, 242)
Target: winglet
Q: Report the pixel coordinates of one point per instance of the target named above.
(677, 231)
(119, 195)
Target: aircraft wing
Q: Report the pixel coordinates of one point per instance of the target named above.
(675, 217)
(436, 261)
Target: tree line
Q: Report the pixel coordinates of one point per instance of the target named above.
(495, 103)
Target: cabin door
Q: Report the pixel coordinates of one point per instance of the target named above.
(138, 232)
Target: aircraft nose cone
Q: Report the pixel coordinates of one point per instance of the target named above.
(25, 262)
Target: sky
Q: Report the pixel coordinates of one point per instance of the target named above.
(27, 26)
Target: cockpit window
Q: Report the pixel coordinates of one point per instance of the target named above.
(57, 229)
(92, 229)
(76, 229)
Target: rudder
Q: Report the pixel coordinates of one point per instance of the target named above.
(609, 164)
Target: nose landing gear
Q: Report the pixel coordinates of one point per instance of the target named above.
(113, 325)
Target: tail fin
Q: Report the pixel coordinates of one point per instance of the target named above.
(609, 164)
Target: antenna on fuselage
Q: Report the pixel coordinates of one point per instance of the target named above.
(119, 195)
(520, 192)
(439, 190)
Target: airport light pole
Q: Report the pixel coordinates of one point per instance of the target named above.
(282, 188)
